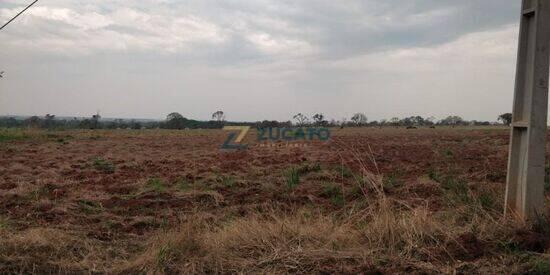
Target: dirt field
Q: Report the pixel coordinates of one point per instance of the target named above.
(369, 200)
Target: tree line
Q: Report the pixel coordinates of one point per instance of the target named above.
(177, 121)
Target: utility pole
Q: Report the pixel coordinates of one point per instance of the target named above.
(525, 180)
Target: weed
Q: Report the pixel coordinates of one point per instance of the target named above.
(344, 171)
(457, 189)
(542, 225)
(111, 225)
(390, 181)
(447, 152)
(155, 185)
(3, 223)
(292, 178)
(540, 266)
(103, 165)
(163, 255)
(509, 247)
(42, 191)
(334, 193)
(89, 207)
(433, 174)
(486, 201)
(308, 168)
(183, 185)
(227, 181)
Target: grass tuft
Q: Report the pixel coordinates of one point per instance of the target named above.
(89, 207)
(103, 165)
(540, 266)
(155, 185)
(334, 193)
(292, 177)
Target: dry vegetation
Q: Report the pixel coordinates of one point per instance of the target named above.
(371, 201)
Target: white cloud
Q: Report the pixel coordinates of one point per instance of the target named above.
(487, 48)
(270, 45)
(124, 29)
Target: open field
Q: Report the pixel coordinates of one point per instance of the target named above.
(369, 200)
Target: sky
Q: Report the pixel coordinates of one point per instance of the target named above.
(259, 59)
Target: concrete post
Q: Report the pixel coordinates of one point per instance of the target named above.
(525, 181)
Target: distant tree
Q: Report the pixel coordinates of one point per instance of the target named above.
(95, 121)
(343, 123)
(430, 120)
(406, 122)
(359, 119)
(452, 121)
(175, 121)
(319, 120)
(48, 121)
(418, 120)
(33, 121)
(506, 119)
(301, 119)
(412, 121)
(272, 124)
(9, 122)
(135, 125)
(173, 116)
(218, 116)
(394, 121)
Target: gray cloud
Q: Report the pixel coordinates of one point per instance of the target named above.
(259, 59)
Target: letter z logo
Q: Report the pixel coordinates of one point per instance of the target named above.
(233, 141)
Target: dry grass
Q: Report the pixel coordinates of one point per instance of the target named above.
(306, 241)
(41, 250)
(387, 235)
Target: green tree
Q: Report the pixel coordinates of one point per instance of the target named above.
(175, 121)
(452, 121)
(506, 119)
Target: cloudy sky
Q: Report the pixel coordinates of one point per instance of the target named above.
(259, 59)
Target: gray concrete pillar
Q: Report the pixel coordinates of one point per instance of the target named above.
(525, 181)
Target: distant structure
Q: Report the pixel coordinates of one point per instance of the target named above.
(526, 165)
